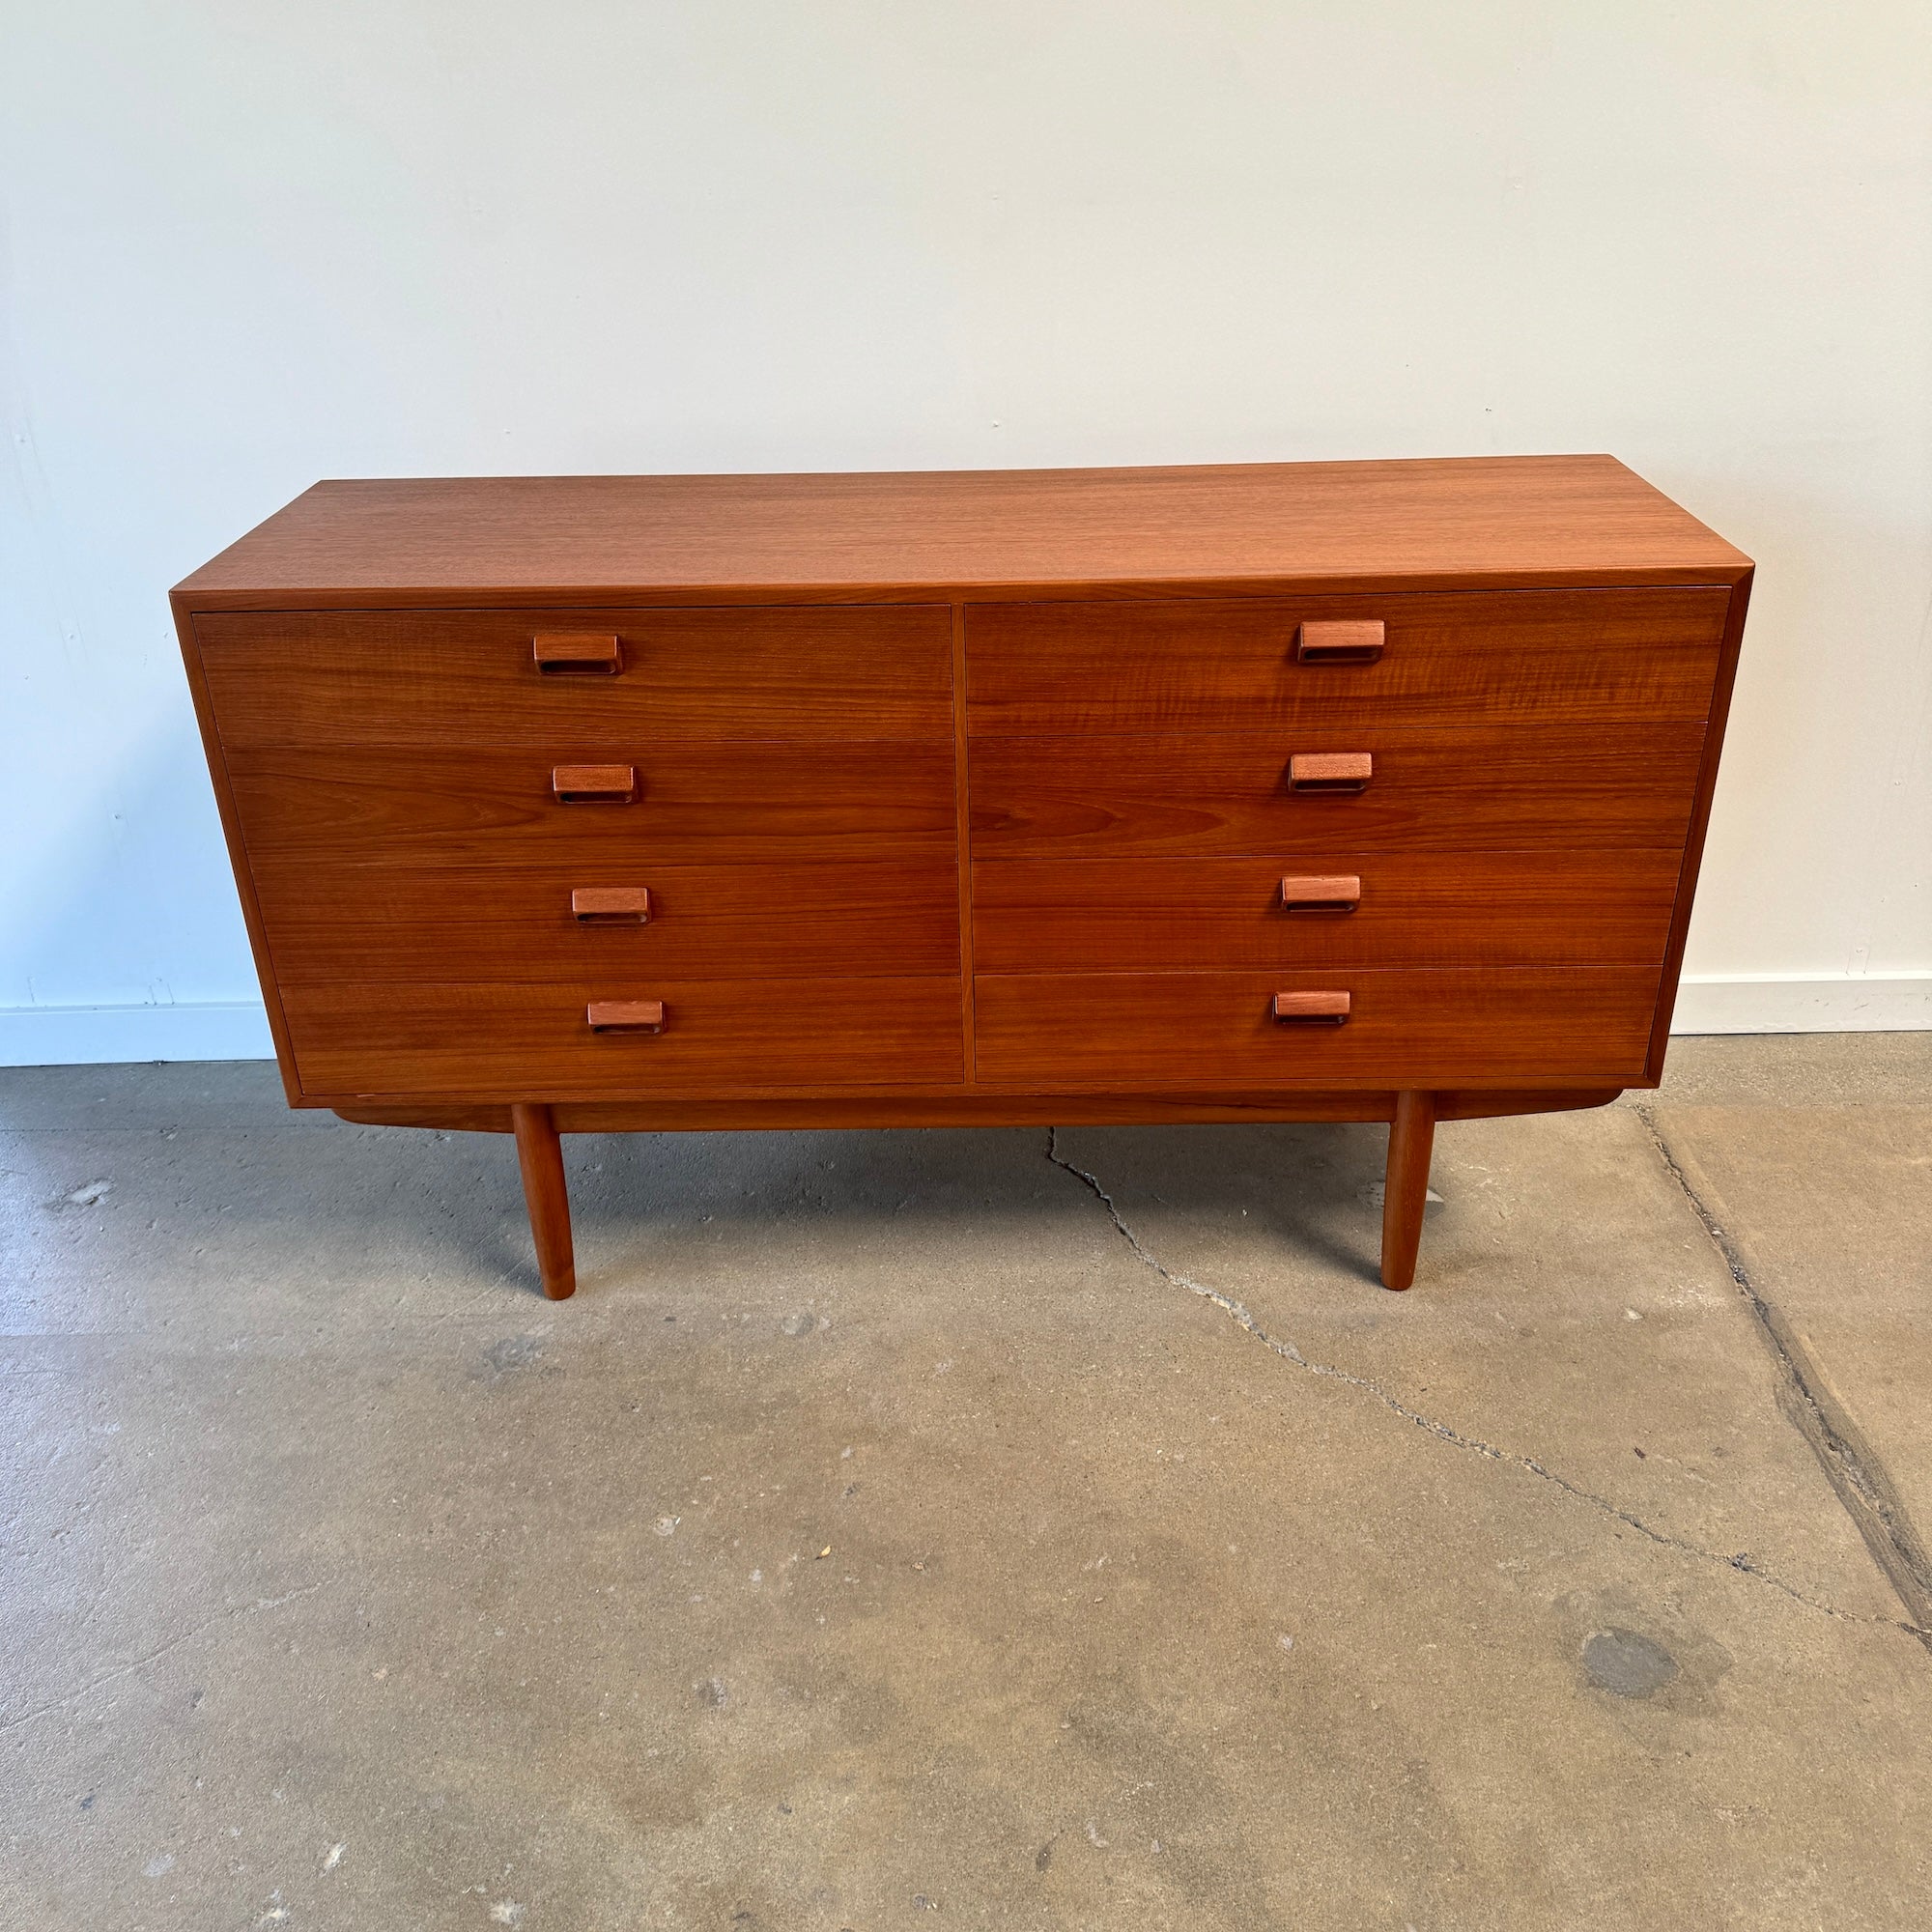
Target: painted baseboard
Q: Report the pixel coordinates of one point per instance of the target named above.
(1804, 1002)
(94, 1035)
(238, 1029)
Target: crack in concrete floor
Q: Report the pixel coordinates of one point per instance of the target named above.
(141, 1662)
(1288, 1351)
(1865, 1492)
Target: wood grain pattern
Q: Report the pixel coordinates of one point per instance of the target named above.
(228, 807)
(469, 677)
(541, 540)
(1320, 892)
(1467, 658)
(1700, 818)
(576, 653)
(1330, 771)
(517, 1042)
(1445, 908)
(589, 905)
(1451, 1027)
(837, 1113)
(966, 798)
(1435, 790)
(1311, 1008)
(962, 807)
(697, 805)
(1337, 640)
(625, 1016)
(593, 784)
(333, 920)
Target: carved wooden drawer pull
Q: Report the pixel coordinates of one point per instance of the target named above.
(625, 1015)
(1341, 894)
(1330, 771)
(1311, 1008)
(1354, 643)
(594, 785)
(611, 905)
(576, 654)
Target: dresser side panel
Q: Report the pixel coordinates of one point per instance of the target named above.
(1700, 819)
(962, 816)
(238, 850)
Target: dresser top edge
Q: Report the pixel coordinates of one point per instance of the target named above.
(1260, 529)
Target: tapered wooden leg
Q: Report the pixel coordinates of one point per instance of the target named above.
(540, 1156)
(1411, 1135)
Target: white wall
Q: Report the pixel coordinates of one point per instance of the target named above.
(252, 243)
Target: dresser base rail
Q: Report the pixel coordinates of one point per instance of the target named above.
(538, 1127)
(957, 1109)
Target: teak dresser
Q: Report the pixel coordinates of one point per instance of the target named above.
(1345, 791)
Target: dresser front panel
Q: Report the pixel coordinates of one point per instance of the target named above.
(719, 1037)
(455, 678)
(969, 790)
(1531, 908)
(792, 812)
(1531, 1027)
(1451, 659)
(333, 920)
(1435, 789)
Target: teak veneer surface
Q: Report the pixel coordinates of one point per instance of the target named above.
(1458, 657)
(1443, 522)
(1434, 789)
(470, 677)
(1446, 1027)
(1417, 909)
(747, 1036)
(967, 797)
(878, 1108)
(337, 920)
(696, 805)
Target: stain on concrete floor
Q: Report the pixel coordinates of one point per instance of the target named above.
(974, 1528)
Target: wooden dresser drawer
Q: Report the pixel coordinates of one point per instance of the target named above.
(1526, 1026)
(1228, 664)
(473, 677)
(328, 920)
(1432, 789)
(719, 1037)
(1354, 908)
(694, 805)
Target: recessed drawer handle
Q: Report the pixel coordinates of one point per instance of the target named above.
(625, 1015)
(1336, 895)
(594, 785)
(576, 654)
(1330, 771)
(1359, 642)
(1311, 1008)
(611, 905)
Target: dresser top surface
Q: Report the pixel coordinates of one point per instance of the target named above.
(1439, 524)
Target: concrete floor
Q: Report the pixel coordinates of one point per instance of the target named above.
(889, 1536)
